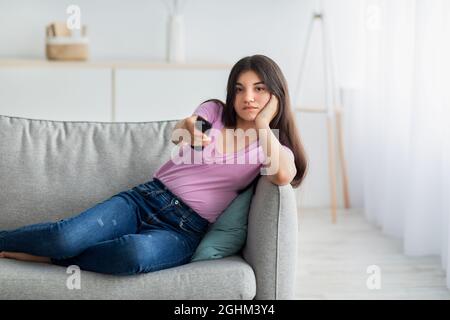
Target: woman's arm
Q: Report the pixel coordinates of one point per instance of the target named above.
(281, 169)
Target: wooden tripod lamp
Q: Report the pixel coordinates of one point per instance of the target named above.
(332, 109)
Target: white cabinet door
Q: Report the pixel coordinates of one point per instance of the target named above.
(168, 94)
(70, 94)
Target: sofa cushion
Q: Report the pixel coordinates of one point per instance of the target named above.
(229, 278)
(227, 235)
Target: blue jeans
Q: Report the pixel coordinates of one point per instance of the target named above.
(144, 229)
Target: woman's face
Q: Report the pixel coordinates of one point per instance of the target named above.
(251, 95)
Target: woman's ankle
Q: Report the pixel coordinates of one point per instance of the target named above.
(24, 257)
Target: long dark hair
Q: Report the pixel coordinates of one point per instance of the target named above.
(284, 121)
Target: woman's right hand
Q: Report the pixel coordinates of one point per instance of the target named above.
(198, 138)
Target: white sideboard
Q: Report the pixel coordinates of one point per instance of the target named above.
(107, 91)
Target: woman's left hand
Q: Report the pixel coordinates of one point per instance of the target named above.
(268, 112)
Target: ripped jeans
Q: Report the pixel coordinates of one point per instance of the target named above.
(144, 229)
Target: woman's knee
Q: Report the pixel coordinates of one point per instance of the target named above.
(136, 254)
(62, 242)
(144, 255)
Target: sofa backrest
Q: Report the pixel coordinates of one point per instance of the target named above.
(50, 170)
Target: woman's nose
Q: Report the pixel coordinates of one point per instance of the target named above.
(249, 98)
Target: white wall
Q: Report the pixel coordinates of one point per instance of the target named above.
(216, 31)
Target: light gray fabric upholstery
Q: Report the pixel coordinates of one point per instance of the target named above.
(231, 278)
(50, 170)
(271, 247)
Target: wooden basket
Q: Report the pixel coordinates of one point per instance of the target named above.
(64, 44)
(72, 51)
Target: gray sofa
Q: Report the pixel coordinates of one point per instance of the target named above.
(50, 170)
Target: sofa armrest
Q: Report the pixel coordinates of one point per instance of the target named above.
(271, 247)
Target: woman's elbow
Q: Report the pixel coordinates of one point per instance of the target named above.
(280, 179)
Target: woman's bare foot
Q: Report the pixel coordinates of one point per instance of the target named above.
(23, 257)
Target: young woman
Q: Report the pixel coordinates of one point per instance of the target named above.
(159, 224)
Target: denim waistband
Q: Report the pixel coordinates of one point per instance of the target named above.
(193, 214)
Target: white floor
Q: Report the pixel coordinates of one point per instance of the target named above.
(333, 261)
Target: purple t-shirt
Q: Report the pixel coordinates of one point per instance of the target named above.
(208, 181)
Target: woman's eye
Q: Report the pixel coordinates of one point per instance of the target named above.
(257, 89)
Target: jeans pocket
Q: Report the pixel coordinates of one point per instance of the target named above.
(190, 227)
(148, 193)
(148, 189)
(152, 219)
(153, 193)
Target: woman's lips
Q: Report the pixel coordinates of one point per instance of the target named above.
(250, 108)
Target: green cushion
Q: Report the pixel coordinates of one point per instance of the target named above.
(228, 234)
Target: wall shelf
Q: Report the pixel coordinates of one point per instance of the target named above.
(113, 64)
